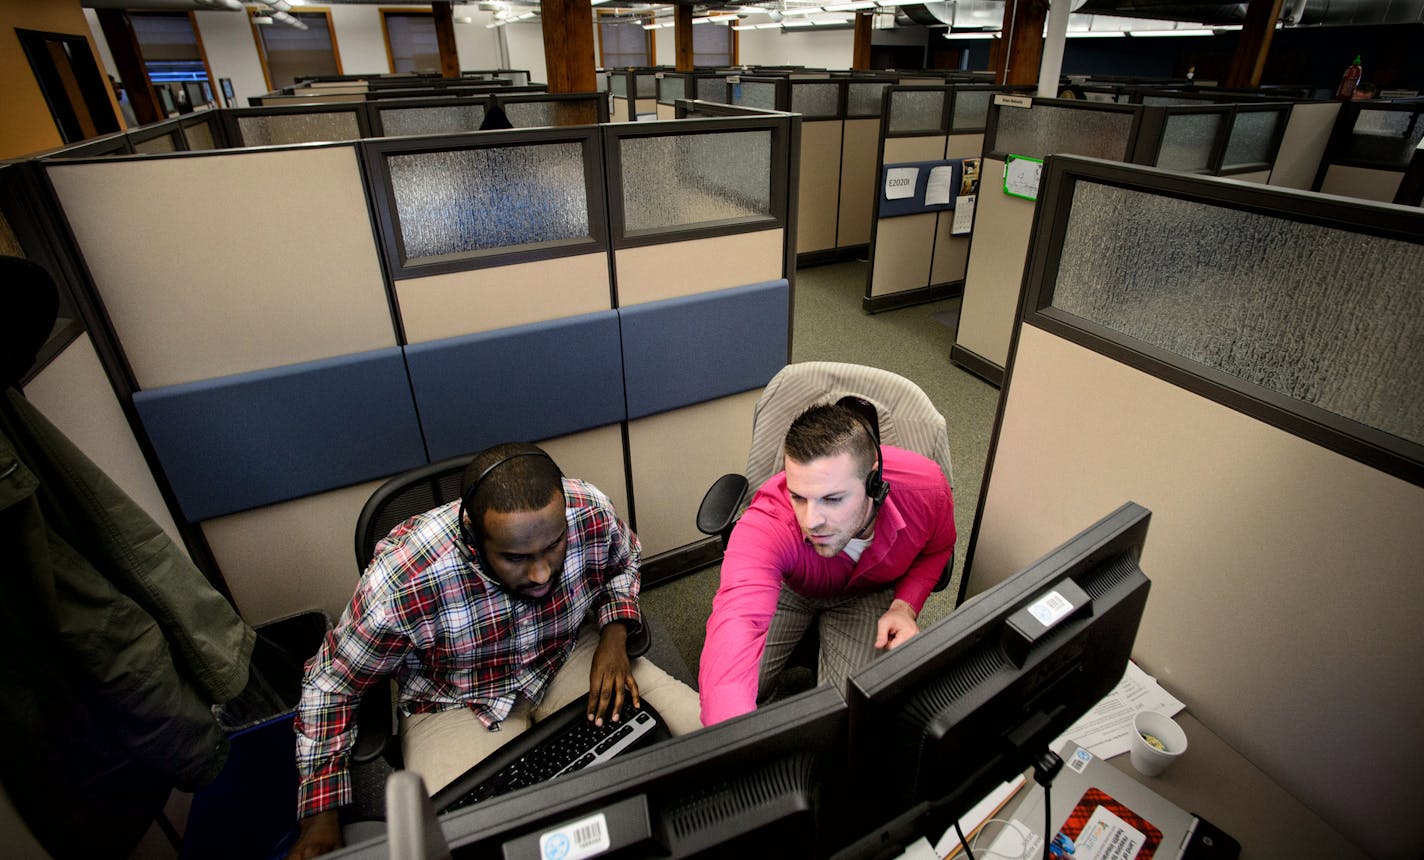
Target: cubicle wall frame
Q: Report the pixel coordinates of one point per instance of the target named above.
(232, 131)
(375, 151)
(991, 125)
(48, 239)
(378, 128)
(780, 197)
(1152, 135)
(1273, 148)
(1338, 148)
(1389, 454)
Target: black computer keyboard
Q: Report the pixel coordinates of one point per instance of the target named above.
(564, 742)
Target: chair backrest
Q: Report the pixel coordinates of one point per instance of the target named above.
(404, 496)
(908, 419)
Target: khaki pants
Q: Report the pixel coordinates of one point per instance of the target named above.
(847, 627)
(443, 745)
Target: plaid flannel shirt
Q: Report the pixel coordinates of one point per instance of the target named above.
(427, 615)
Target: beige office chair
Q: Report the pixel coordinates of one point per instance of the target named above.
(907, 418)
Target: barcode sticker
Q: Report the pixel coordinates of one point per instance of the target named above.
(1050, 608)
(576, 840)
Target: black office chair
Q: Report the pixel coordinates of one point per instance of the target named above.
(903, 416)
(392, 503)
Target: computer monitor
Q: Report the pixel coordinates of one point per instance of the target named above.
(976, 699)
(749, 785)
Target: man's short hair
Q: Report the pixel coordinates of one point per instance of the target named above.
(524, 478)
(827, 430)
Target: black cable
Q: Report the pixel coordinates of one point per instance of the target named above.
(1047, 818)
(959, 831)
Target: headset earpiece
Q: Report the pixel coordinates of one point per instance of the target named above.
(467, 533)
(876, 487)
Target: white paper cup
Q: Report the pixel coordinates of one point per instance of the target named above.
(1149, 760)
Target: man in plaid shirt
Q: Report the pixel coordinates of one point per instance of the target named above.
(486, 628)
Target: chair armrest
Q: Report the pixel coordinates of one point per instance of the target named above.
(640, 640)
(375, 722)
(719, 507)
(945, 576)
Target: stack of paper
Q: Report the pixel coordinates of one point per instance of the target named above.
(1106, 730)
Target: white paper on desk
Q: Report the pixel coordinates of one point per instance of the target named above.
(1106, 730)
(937, 193)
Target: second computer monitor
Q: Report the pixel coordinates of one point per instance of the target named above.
(976, 699)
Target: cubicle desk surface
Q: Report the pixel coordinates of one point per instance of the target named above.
(1214, 782)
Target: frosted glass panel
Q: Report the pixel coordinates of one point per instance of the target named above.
(447, 119)
(712, 89)
(684, 180)
(1386, 137)
(619, 84)
(297, 128)
(533, 114)
(864, 99)
(647, 86)
(1044, 130)
(1187, 141)
(815, 100)
(1322, 315)
(971, 110)
(451, 203)
(162, 143)
(1251, 137)
(199, 136)
(672, 89)
(758, 95)
(916, 111)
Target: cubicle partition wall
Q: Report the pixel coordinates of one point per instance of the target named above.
(1241, 141)
(840, 137)
(673, 86)
(919, 245)
(1261, 390)
(621, 293)
(634, 94)
(1370, 150)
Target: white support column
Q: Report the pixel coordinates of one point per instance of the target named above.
(1052, 66)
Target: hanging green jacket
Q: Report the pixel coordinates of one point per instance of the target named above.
(116, 647)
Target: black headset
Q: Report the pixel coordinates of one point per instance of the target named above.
(467, 534)
(876, 487)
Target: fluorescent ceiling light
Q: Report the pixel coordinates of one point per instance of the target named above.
(651, 26)
(898, 2)
(980, 35)
(1169, 33)
(744, 26)
(806, 10)
(852, 7)
(261, 19)
(802, 23)
(772, 26)
(1095, 34)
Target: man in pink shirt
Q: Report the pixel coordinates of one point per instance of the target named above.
(850, 536)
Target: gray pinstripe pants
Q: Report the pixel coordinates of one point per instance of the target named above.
(847, 630)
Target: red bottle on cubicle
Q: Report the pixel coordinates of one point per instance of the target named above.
(1349, 80)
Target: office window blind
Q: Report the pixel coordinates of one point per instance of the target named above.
(1319, 314)
(289, 53)
(411, 40)
(623, 44)
(712, 45)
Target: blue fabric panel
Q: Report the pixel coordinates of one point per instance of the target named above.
(253, 439)
(915, 204)
(697, 348)
(521, 383)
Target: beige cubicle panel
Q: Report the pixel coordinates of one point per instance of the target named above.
(859, 141)
(900, 262)
(224, 307)
(995, 268)
(667, 111)
(474, 300)
(650, 273)
(1258, 176)
(902, 149)
(646, 106)
(1285, 597)
(1303, 144)
(298, 555)
(951, 253)
(817, 197)
(964, 145)
(676, 456)
(73, 394)
(1363, 183)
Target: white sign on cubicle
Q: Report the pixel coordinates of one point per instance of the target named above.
(900, 182)
(1021, 175)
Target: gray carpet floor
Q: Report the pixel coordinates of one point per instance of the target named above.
(829, 325)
